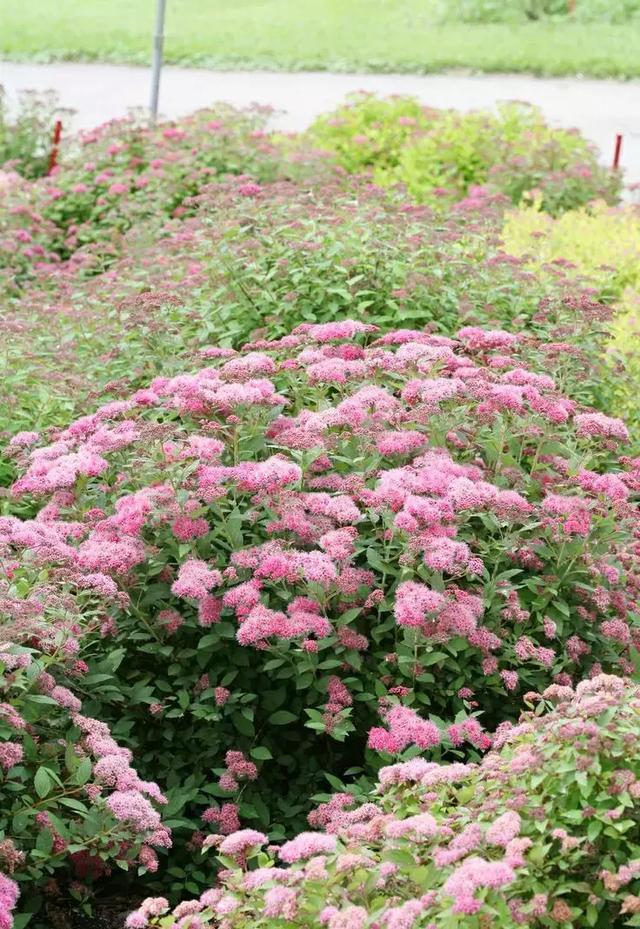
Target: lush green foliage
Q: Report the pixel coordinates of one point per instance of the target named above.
(440, 154)
(544, 832)
(59, 810)
(276, 565)
(259, 574)
(265, 263)
(602, 244)
(106, 207)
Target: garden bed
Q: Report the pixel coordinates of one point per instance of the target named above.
(314, 482)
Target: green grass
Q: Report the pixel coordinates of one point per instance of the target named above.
(340, 35)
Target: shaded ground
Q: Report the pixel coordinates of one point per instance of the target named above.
(109, 910)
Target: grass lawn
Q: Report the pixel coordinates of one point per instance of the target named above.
(340, 35)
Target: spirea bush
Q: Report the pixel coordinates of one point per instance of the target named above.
(236, 257)
(125, 174)
(599, 247)
(72, 807)
(543, 832)
(288, 253)
(443, 155)
(336, 544)
(599, 243)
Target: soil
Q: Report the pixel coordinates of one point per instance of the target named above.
(107, 913)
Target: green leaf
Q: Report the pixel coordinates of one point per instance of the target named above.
(335, 782)
(594, 830)
(274, 663)
(40, 698)
(44, 842)
(260, 753)
(83, 772)
(42, 782)
(282, 718)
(73, 804)
(21, 920)
(243, 725)
(234, 523)
(20, 822)
(431, 658)
(378, 564)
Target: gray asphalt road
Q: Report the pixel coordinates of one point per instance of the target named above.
(97, 92)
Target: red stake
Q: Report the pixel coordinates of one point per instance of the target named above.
(55, 142)
(616, 151)
(571, 6)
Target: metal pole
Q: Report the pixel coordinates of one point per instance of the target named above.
(158, 43)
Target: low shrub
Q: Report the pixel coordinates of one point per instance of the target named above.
(71, 805)
(288, 253)
(623, 362)
(598, 244)
(26, 132)
(371, 132)
(269, 576)
(443, 155)
(324, 528)
(124, 175)
(357, 253)
(544, 832)
(236, 257)
(598, 247)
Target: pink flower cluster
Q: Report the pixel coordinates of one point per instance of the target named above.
(238, 768)
(195, 580)
(9, 893)
(129, 801)
(239, 843)
(405, 727)
(11, 754)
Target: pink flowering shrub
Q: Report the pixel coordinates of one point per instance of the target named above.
(337, 544)
(307, 251)
(121, 175)
(144, 268)
(71, 803)
(543, 832)
(442, 156)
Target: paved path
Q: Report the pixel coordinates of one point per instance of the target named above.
(100, 92)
